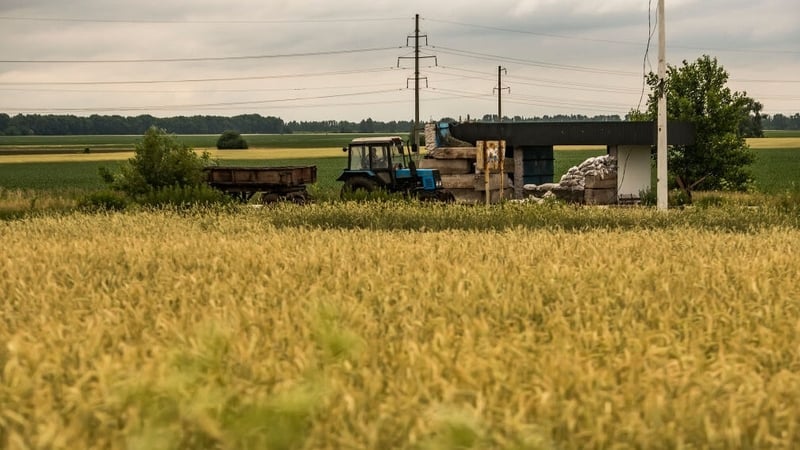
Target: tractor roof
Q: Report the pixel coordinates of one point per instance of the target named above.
(377, 140)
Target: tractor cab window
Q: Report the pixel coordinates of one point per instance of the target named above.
(370, 157)
(398, 159)
(380, 157)
(359, 157)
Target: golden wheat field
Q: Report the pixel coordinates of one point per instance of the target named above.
(176, 329)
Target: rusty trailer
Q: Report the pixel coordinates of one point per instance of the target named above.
(272, 183)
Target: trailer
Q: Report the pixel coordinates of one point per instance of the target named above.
(273, 183)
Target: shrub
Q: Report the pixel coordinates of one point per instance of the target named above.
(159, 161)
(648, 197)
(231, 140)
(105, 200)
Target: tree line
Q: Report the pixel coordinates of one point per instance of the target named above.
(54, 125)
(37, 124)
(781, 122)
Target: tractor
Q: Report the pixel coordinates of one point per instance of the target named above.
(381, 163)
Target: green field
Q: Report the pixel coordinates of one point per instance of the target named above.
(59, 163)
(774, 170)
(781, 133)
(102, 143)
(59, 176)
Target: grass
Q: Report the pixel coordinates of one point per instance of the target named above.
(54, 177)
(777, 170)
(69, 176)
(394, 324)
(101, 143)
(724, 212)
(788, 142)
(59, 171)
(781, 133)
(222, 328)
(66, 178)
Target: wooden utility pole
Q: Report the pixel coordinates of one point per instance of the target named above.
(501, 147)
(661, 148)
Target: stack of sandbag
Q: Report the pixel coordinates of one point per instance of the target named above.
(593, 182)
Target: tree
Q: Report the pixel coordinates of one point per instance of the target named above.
(5, 121)
(752, 125)
(697, 93)
(159, 162)
(231, 139)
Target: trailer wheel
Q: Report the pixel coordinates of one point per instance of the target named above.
(269, 197)
(299, 198)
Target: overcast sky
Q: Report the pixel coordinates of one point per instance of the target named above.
(338, 60)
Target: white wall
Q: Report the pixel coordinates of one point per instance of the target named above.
(633, 172)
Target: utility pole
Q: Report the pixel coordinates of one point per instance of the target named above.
(417, 78)
(661, 148)
(499, 89)
(501, 148)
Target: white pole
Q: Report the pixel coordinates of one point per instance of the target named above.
(661, 160)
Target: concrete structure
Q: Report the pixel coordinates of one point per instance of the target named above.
(530, 143)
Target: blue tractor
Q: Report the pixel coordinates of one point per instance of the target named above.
(381, 163)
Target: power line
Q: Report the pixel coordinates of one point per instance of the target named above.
(486, 56)
(192, 91)
(210, 105)
(193, 80)
(533, 33)
(218, 58)
(528, 62)
(744, 80)
(651, 30)
(542, 82)
(548, 101)
(201, 22)
(608, 41)
(578, 106)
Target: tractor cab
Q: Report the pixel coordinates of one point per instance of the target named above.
(383, 163)
(380, 157)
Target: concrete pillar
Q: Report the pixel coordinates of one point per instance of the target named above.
(518, 172)
(633, 170)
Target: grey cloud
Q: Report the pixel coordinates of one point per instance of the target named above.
(210, 28)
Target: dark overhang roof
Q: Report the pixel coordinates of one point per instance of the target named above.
(574, 133)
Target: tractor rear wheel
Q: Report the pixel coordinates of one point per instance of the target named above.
(357, 187)
(438, 195)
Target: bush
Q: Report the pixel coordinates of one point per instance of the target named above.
(648, 197)
(104, 201)
(231, 140)
(159, 161)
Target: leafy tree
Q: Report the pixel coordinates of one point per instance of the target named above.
(697, 93)
(366, 126)
(159, 162)
(5, 121)
(231, 140)
(752, 125)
